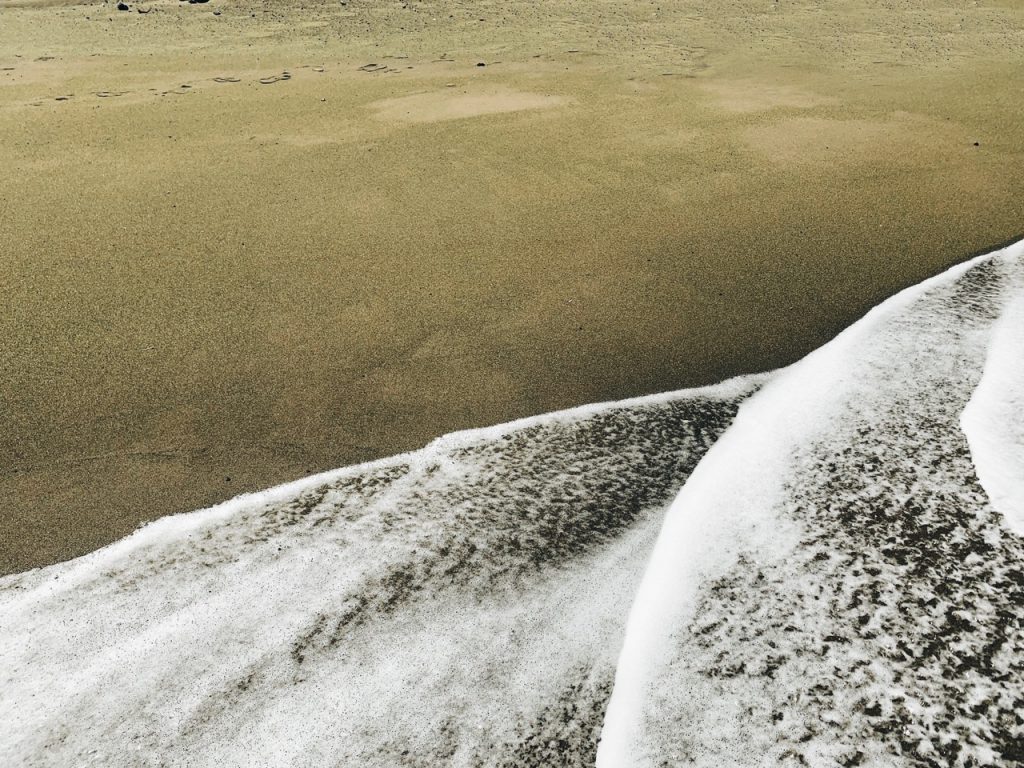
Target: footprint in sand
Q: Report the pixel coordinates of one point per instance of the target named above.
(276, 78)
(110, 94)
(373, 67)
(227, 79)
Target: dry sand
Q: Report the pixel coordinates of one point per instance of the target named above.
(232, 253)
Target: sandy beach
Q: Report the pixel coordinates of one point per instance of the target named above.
(241, 242)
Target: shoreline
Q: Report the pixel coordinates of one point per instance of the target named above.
(258, 281)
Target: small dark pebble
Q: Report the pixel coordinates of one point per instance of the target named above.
(977, 143)
(122, 6)
(480, 64)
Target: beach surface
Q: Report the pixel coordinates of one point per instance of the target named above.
(242, 242)
(819, 567)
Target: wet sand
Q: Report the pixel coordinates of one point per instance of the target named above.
(214, 288)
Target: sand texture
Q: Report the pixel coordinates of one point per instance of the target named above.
(244, 241)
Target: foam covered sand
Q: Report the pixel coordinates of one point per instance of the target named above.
(838, 582)
(463, 604)
(833, 585)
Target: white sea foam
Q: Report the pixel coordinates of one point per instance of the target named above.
(458, 604)
(831, 584)
(770, 499)
(994, 418)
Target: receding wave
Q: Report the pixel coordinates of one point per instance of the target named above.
(463, 604)
(833, 585)
(819, 566)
